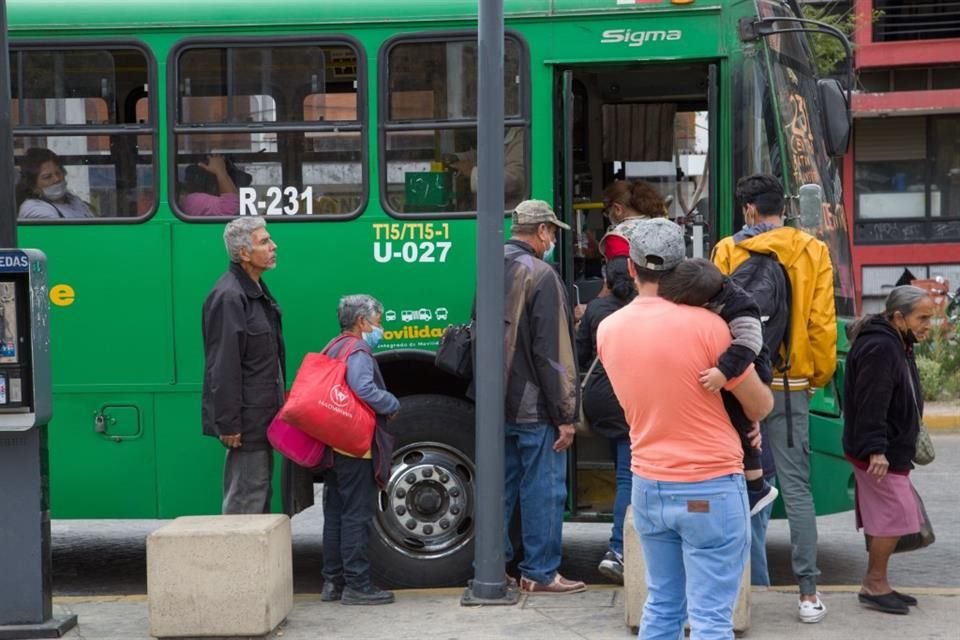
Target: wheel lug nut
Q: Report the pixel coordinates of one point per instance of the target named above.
(455, 510)
(401, 510)
(444, 524)
(411, 524)
(410, 479)
(455, 493)
(427, 529)
(401, 493)
(444, 478)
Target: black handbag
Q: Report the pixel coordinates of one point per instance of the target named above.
(455, 352)
(913, 541)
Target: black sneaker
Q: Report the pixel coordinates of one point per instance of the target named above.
(366, 595)
(331, 591)
(611, 566)
(763, 497)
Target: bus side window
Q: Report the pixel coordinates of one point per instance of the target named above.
(83, 132)
(430, 129)
(268, 129)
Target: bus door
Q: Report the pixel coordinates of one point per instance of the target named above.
(653, 125)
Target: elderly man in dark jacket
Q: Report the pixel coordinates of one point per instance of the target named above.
(542, 396)
(243, 381)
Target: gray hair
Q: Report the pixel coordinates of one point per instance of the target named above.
(354, 307)
(525, 228)
(237, 235)
(904, 299)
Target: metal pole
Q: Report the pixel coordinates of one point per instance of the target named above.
(8, 200)
(489, 584)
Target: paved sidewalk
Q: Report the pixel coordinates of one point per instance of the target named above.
(596, 614)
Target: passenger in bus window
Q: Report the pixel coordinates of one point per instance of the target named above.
(514, 170)
(42, 189)
(208, 189)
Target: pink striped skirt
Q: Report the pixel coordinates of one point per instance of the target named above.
(887, 507)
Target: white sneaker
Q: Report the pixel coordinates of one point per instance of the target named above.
(811, 612)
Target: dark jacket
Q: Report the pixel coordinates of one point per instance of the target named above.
(540, 365)
(243, 379)
(366, 381)
(600, 404)
(880, 414)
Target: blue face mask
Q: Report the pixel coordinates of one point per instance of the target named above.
(373, 338)
(548, 254)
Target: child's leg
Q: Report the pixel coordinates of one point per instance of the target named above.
(752, 464)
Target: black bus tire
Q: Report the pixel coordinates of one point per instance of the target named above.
(423, 527)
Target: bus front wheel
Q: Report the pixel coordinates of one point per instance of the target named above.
(424, 522)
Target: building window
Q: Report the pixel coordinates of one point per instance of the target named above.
(429, 140)
(907, 179)
(83, 129)
(269, 128)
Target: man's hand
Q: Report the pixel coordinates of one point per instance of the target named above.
(567, 431)
(712, 379)
(216, 165)
(231, 441)
(878, 466)
(578, 311)
(753, 436)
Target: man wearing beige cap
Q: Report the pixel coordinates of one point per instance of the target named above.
(541, 396)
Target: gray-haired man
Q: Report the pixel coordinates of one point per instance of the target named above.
(243, 378)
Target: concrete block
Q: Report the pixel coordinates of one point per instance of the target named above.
(220, 575)
(635, 581)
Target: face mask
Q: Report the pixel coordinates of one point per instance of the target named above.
(55, 191)
(373, 338)
(548, 254)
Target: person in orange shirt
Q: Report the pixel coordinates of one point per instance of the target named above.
(689, 495)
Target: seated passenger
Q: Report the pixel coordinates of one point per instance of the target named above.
(42, 188)
(209, 190)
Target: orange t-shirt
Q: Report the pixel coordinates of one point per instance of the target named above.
(653, 352)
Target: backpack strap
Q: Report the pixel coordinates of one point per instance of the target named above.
(787, 342)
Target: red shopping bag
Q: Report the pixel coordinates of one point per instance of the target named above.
(294, 444)
(323, 406)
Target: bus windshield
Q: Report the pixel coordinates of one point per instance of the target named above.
(799, 124)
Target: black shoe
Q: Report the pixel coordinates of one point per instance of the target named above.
(905, 599)
(366, 595)
(611, 567)
(331, 591)
(761, 498)
(887, 602)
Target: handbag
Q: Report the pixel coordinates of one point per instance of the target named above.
(925, 453)
(455, 351)
(294, 444)
(913, 541)
(583, 425)
(322, 404)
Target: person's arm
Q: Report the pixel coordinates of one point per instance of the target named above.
(873, 390)
(224, 339)
(754, 396)
(360, 378)
(747, 342)
(552, 350)
(822, 324)
(586, 350)
(216, 165)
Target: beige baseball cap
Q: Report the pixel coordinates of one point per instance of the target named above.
(535, 212)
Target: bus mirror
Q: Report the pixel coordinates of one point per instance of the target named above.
(811, 199)
(835, 102)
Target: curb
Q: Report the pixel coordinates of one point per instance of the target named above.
(941, 422)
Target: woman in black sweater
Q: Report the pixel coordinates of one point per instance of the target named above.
(600, 405)
(882, 412)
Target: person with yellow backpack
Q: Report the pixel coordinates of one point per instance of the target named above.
(807, 360)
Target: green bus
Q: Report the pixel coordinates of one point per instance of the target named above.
(341, 121)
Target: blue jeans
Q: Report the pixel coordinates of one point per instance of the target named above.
(536, 475)
(695, 538)
(621, 461)
(349, 496)
(759, 574)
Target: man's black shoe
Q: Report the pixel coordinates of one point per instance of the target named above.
(331, 591)
(366, 595)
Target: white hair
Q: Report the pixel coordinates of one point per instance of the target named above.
(237, 235)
